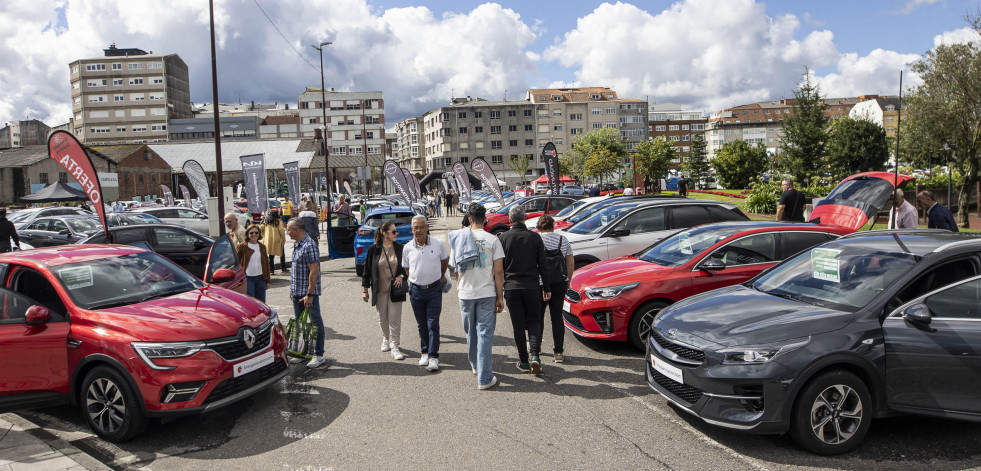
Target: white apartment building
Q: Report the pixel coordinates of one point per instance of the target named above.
(128, 95)
(408, 145)
(355, 122)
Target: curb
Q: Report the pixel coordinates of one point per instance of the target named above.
(57, 444)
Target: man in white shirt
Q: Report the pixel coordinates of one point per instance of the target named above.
(481, 293)
(425, 260)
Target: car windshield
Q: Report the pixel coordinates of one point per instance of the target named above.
(508, 205)
(836, 276)
(600, 219)
(400, 219)
(83, 225)
(586, 212)
(570, 209)
(123, 280)
(137, 218)
(682, 247)
(20, 216)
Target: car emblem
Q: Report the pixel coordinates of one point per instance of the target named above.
(249, 338)
(672, 333)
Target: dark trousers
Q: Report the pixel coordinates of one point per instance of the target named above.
(554, 306)
(282, 263)
(315, 317)
(426, 306)
(525, 307)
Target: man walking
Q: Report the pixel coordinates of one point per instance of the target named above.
(937, 215)
(791, 205)
(286, 208)
(524, 265)
(7, 232)
(481, 292)
(682, 186)
(305, 284)
(308, 217)
(425, 260)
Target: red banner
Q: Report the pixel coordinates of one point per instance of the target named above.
(69, 153)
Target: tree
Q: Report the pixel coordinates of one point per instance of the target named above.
(588, 145)
(653, 160)
(520, 164)
(738, 164)
(943, 114)
(856, 145)
(601, 163)
(697, 164)
(805, 133)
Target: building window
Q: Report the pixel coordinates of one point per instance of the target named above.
(495, 129)
(158, 127)
(139, 128)
(512, 113)
(462, 115)
(99, 130)
(575, 117)
(74, 69)
(543, 114)
(527, 112)
(497, 159)
(660, 128)
(557, 113)
(136, 81)
(611, 125)
(496, 144)
(529, 127)
(596, 111)
(673, 127)
(157, 80)
(557, 98)
(462, 131)
(684, 127)
(597, 125)
(478, 114)
(595, 96)
(513, 142)
(513, 128)
(118, 97)
(495, 115)
(478, 129)
(43, 178)
(574, 131)
(611, 110)
(557, 127)
(529, 142)
(63, 177)
(97, 98)
(120, 128)
(95, 83)
(95, 67)
(155, 65)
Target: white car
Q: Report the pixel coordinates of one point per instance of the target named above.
(187, 217)
(628, 227)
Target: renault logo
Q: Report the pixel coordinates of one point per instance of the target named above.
(248, 336)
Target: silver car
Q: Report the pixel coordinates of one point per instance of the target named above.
(189, 218)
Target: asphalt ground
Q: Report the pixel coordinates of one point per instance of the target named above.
(367, 411)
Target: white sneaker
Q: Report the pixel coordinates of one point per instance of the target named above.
(396, 354)
(295, 360)
(385, 346)
(491, 384)
(317, 362)
(424, 360)
(433, 364)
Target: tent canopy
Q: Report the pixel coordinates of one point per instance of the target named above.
(55, 192)
(564, 179)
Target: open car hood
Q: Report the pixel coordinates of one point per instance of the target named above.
(856, 199)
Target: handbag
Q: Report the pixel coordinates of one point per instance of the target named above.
(395, 291)
(555, 266)
(301, 336)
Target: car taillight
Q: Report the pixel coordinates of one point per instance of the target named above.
(360, 249)
(365, 231)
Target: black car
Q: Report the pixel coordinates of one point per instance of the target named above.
(867, 326)
(180, 244)
(23, 217)
(59, 230)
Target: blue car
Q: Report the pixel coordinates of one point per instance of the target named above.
(400, 215)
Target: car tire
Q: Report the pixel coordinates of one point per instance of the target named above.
(640, 323)
(498, 232)
(110, 405)
(359, 270)
(832, 413)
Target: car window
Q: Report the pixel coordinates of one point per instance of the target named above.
(187, 214)
(222, 256)
(935, 278)
(35, 286)
(960, 302)
(173, 238)
(757, 248)
(13, 307)
(20, 217)
(645, 220)
(572, 207)
(794, 242)
(128, 236)
(57, 225)
(721, 214)
(688, 216)
(61, 212)
(165, 213)
(84, 225)
(558, 204)
(39, 225)
(535, 206)
(400, 219)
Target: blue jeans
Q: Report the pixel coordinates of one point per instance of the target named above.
(315, 317)
(426, 306)
(255, 286)
(479, 322)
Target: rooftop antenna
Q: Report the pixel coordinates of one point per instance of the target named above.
(505, 94)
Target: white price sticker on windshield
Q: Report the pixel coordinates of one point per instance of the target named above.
(685, 242)
(824, 265)
(76, 277)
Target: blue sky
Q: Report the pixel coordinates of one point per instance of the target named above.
(704, 54)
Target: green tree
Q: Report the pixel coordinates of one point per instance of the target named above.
(738, 164)
(520, 164)
(805, 133)
(856, 145)
(942, 121)
(696, 166)
(587, 145)
(601, 163)
(653, 161)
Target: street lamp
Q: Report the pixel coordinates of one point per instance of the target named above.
(323, 106)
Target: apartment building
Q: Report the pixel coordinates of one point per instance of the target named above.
(408, 145)
(24, 133)
(473, 127)
(237, 127)
(883, 111)
(677, 125)
(127, 96)
(355, 122)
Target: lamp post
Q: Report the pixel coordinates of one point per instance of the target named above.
(323, 107)
(214, 97)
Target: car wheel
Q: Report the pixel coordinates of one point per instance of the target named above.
(110, 405)
(641, 321)
(832, 413)
(498, 232)
(359, 270)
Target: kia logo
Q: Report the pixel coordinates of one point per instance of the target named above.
(672, 333)
(254, 163)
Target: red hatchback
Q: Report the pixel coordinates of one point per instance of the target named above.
(126, 334)
(617, 299)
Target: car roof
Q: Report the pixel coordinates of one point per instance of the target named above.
(389, 209)
(918, 242)
(761, 225)
(71, 253)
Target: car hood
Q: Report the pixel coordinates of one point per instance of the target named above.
(201, 314)
(856, 199)
(737, 316)
(618, 271)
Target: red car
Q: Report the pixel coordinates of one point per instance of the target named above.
(499, 221)
(617, 299)
(127, 335)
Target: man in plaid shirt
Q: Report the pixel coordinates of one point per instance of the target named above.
(305, 283)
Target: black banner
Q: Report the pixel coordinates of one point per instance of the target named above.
(410, 185)
(486, 175)
(195, 175)
(551, 158)
(463, 181)
(395, 176)
(292, 170)
(256, 191)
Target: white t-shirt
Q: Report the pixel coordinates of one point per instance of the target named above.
(423, 261)
(628, 191)
(478, 282)
(255, 261)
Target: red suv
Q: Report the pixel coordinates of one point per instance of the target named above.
(499, 221)
(126, 335)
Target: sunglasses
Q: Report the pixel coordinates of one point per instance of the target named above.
(393, 231)
(253, 233)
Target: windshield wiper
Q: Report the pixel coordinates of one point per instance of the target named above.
(110, 304)
(163, 294)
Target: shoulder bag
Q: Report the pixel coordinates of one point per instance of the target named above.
(397, 293)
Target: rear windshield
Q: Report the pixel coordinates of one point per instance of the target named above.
(683, 246)
(400, 219)
(84, 225)
(600, 219)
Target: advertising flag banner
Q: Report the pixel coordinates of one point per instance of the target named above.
(551, 158)
(409, 184)
(452, 180)
(256, 191)
(69, 153)
(347, 187)
(186, 194)
(395, 176)
(462, 180)
(292, 170)
(195, 174)
(168, 196)
(446, 184)
(486, 175)
(418, 187)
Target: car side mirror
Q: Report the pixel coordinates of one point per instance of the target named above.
(37, 315)
(713, 264)
(619, 232)
(202, 216)
(222, 275)
(199, 244)
(918, 313)
(64, 232)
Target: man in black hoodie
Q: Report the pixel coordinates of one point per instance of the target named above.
(7, 232)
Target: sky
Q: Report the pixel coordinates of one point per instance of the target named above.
(703, 54)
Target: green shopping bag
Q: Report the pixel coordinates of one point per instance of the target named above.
(301, 336)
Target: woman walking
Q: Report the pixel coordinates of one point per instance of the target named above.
(559, 258)
(383, 274)
(252, 255)
(273, 237)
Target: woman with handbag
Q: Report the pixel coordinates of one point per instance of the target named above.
(560, 261)
(252, 256)
(385, 277)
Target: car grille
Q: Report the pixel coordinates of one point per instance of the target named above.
(232, 348)
(573, 296)
(573, 320)
(685, 392)
(232, 386)
(680, 350)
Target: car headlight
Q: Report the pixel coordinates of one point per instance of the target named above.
(758, 354)
(154, 351)
(610, 291)
(273, 316)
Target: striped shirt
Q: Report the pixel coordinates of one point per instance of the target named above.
(305, 252)
(555, 241)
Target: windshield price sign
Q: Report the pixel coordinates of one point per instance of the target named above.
(824, 265)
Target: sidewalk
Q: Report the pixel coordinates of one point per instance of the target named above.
(24, 446)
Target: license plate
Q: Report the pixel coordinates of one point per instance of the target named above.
(253, 364)
(566, 306)
(667, 370)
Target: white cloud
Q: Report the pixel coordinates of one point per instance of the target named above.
(963, 35)
(914, 4)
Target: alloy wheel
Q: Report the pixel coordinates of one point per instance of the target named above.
(646, 322)
(105, 405)
(836, 414)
